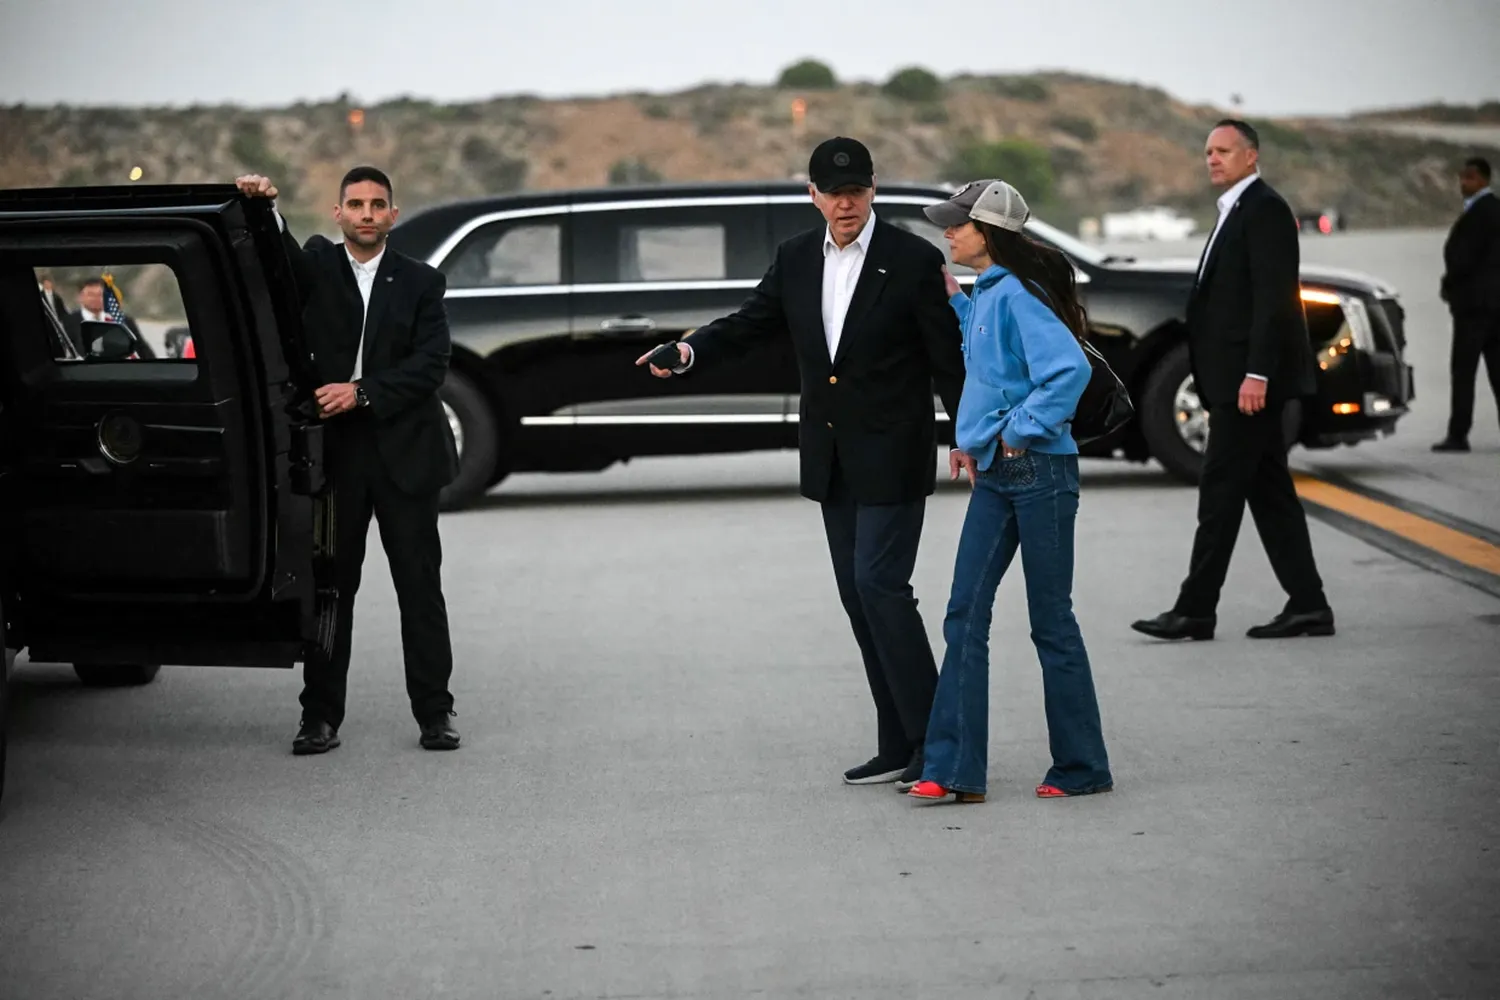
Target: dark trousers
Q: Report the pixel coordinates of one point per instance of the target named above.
(874, 550)
(1246, 462)
(409, 533)
(1474, 337)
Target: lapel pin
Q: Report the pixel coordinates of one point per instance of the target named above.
(881, 270)
(388, 277)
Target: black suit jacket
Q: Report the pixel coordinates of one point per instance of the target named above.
(406, 353)
(1245, 313)
(1471, 260)
(870, 407)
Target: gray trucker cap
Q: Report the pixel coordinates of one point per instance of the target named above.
(992, 201)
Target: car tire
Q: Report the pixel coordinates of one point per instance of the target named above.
(1161, 420)
(477, 436)
(116, 674)
(1159, 417)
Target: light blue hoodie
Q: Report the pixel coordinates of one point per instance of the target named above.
(1024, 371)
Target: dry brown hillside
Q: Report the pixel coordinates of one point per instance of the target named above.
(1080, 146)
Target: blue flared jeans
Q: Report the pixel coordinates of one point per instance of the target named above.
(1029, 502)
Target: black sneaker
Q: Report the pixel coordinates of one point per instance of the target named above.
(439, 734)
(875, 771)
(912, 774)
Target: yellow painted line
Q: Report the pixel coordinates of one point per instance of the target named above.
(1440, 538)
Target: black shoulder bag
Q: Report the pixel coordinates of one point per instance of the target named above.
(1105, 405)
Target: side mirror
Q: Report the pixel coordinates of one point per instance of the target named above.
(108, 341)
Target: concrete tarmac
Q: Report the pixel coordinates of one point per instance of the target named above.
(647, 803)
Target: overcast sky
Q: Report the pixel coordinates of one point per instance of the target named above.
(1282, 56)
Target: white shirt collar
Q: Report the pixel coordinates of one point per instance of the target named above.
(370, 266)
(1228, 198)
(863, 239)
(1471, 199)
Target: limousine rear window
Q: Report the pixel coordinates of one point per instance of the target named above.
(1070, 245)
(671, 253)
(511, 253)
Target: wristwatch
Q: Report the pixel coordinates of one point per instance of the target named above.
(360, 398)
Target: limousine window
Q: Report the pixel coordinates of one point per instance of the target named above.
(671, 253)
(798, 218)
(709, 242)
(932, 233)
(510, 253)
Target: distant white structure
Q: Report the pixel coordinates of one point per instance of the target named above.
(1152, 223)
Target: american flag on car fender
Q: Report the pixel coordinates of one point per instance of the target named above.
(114, 302)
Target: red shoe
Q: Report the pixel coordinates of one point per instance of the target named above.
(932, 792)
(1053, 792)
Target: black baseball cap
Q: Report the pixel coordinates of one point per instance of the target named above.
(839, 162)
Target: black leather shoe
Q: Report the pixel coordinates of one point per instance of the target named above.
(1449, 444)
(439, 734)
(1171, 625)
(314, 736)
(1288, 624)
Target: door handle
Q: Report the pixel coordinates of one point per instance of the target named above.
(628, 324)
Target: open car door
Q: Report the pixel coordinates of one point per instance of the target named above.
(166, 510)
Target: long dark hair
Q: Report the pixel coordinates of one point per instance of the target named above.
(1046, 272)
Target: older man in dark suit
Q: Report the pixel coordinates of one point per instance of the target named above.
(864, 304)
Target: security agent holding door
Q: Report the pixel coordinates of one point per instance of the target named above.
(864, 304)
(378, 336)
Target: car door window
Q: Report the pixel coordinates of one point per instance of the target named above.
(790, 219)
(512, 253)
(79, 303)
(654, 251)
(911, 219)
(626, 245)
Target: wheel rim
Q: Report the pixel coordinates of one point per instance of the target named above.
(1190, 416)
(456, 426)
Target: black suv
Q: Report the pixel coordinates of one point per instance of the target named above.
(552, 296)
(165, 510)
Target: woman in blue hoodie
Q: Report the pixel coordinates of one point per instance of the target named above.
(1025, 372)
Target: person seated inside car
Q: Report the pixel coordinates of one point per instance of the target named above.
(91, 308)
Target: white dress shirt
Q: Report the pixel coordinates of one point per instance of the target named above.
(841, 270)
(93, 317)
(1227, 201)
(364, 274)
